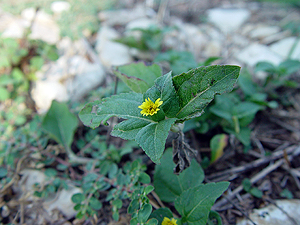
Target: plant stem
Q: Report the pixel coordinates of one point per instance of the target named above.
(74, 158)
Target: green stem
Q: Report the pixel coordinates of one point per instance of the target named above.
(293, 48)
(74, 158)
(177, 127)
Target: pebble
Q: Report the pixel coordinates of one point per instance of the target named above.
(275, 214)
(264, 31)
(63, 202)
(255, 53)
(284, 46)
(60, 6)
(228, 20)
(45, 91)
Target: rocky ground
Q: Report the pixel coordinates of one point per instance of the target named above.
(241, 33)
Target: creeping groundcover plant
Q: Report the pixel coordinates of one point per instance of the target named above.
(156, 105)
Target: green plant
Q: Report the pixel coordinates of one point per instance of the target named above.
(233, 112)
(150, 39)
(278, 76)
(192, 199)
(19, 60)
(169, 101)
(179, 61)
(184, 96)
(247, 185)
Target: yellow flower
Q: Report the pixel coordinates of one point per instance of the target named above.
(150, 108)
(167, 221)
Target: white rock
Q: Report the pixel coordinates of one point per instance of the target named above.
(213, 48)
(30, 178)
(124, 16)
(105, 34)
(45, 91)
(264, 31)
(195, 38)
(114, 54)
(141, 23)
(239, 40)
(60, 6)
(88, 76)
(247, 28)
(174, 40)
(63, 202)
(276, 37)
(44, 28)
(111, 53)
(255, 53)
(284, 46)
(5, 20)
(15, 29)
(275, 215)
(228, 20)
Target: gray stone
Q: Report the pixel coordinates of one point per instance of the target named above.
(255, 53)
(63, 202)
(114, 54)
(124, 16)
(15, 28)
(275, 214)
(213, 48)
(141, 23)
(45, 91)
(44, 28)
(87, 77)
(60, 6)
(264, 31)
(228, 20)
(275, 37)
(284, 46)
(29, 178)
(111, 53)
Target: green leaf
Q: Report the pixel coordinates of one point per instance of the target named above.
(198, 87)
(50, 172)
(214, 216)
(95, 203)
(133, 206)
(144, 178)
(291, 66)
(195, 203)
(60, 123)
(149, 134)
(148, 189)
(78, 198)
(247, 184)
(36, 62)
(180, 61)
(286, 193)
(88, 115)
(265, 66)
(152, 138)
(164, 89)
(137, 76)
(3, 172)
(167, 185)
(217, 145)
(246, 84)
(144, 213)
(243, 136)
(117, 203)
(160, 213)
(4, 94)
(152, 222)
(256, 192)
